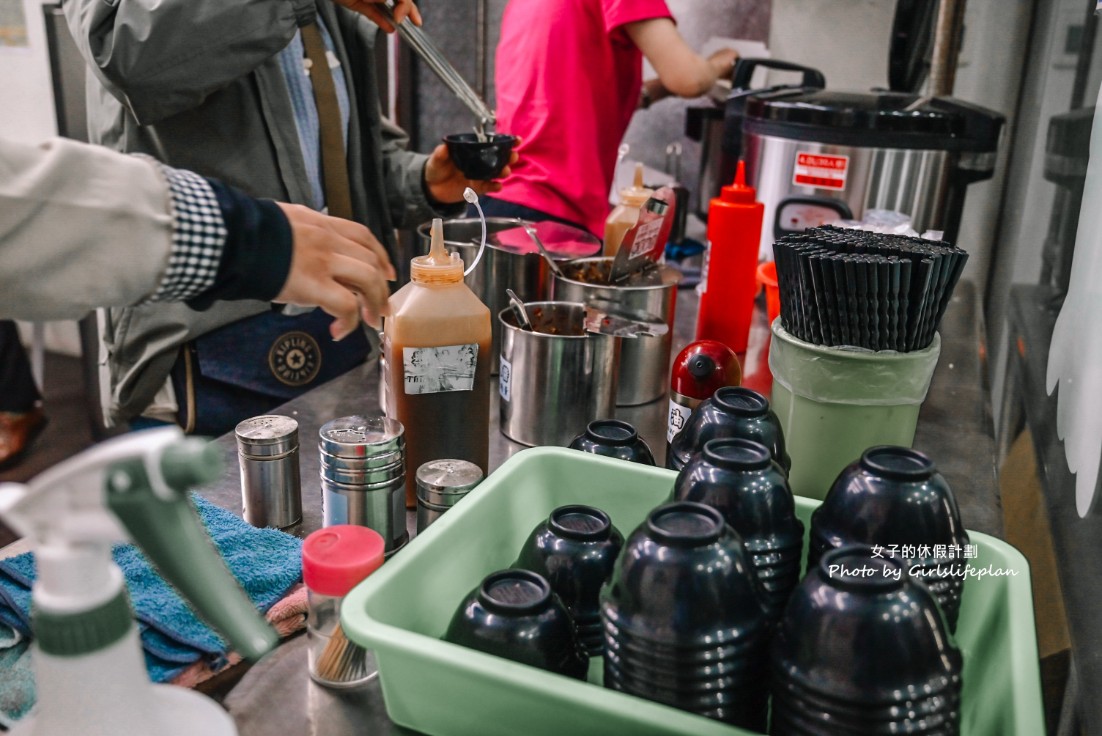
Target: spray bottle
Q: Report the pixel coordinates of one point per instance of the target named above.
(89, 670)
(436, 342)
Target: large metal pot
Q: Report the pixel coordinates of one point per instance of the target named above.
(518, 267)
(644, 360)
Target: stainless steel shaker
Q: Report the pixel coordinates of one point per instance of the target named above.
(441, 484)
(363, 476)
(267, 453)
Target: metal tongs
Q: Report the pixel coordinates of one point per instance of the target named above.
(426, 49)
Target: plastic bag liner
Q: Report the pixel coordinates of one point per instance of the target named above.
(851, 375)
(834, 403)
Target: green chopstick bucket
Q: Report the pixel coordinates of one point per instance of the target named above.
(834, 403)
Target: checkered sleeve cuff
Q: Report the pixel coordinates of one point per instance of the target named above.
(198, 237)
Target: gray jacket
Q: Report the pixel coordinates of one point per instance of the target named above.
(196, 84)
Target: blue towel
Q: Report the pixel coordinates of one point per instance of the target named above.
(17, 688)
(266, 562)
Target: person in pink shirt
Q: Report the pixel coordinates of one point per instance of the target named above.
(569, 76)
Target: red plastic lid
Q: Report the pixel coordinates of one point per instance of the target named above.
(739, 192)
(337, 558)
(703, 367)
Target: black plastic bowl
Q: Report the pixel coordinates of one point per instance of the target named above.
(575, 549)
(685, 579)
(895, 498)
(614, 438)
(514, 614)
(731, 412)
(862, 632)
(480, 160)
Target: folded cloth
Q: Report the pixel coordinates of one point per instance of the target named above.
(266, 562)
(17, 682)
(288, 617)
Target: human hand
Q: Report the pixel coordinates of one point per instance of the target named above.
(337, 265)
(723, 63)
(446, 182)
(401, 10)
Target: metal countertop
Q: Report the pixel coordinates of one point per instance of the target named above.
(277, 697)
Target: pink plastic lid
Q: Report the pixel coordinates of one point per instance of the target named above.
(562, 241)
(337, 558)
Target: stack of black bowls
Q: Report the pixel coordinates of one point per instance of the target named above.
(894, 499)
(684, 625)
(575, 549)
(862, 650)
(731, 412)
(739, 478)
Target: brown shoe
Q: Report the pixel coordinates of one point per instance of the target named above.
(17, 431)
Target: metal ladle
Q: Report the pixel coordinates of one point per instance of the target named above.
(519, 310)
(543, 250)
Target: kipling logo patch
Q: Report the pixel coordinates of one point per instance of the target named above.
(295, 358)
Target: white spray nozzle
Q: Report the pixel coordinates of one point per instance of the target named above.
(472, 198)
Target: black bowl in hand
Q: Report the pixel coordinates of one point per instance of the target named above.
(480, 160)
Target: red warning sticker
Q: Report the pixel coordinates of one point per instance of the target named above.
(820, 170)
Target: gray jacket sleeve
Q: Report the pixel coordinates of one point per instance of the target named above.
(404, 174)
(80, 227)
(160, 57)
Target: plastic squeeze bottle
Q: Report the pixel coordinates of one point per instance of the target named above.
(437, 378)
(624, 216)
(730, 284)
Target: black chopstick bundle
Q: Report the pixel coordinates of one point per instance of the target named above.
(858, 288)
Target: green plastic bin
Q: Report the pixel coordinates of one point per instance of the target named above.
(439, 688)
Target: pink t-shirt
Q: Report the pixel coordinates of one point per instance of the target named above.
(567, 82)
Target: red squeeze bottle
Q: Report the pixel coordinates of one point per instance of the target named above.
(730, 283)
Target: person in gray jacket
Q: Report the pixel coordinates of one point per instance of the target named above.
(219, 87)
(83, 227)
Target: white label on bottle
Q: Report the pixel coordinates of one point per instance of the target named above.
(505, 380)
(439, 369)
(679, 414)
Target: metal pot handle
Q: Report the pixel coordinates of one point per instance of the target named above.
(744, 70)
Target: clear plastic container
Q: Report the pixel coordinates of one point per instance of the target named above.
(335, 560)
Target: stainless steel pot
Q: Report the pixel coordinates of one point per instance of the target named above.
(645, 360)
(553, 385)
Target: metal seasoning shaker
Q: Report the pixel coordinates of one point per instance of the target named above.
(363, 476)
(267, 452)
(441, 484)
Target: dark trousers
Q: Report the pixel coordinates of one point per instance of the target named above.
(18, 391)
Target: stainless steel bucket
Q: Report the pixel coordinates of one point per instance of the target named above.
(552, 386)
(645, 360)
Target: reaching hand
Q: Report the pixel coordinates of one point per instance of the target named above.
(401, 10)
(723, 63)
(337, 265)
(446, 182)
